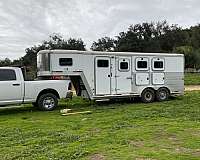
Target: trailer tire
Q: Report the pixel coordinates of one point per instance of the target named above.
(162, 94)
(47, 102)
(148, 95)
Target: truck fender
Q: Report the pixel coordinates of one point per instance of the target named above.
(48, 90)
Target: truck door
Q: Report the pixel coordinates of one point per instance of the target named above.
(11, 87)
(102, 76)
(123, 75)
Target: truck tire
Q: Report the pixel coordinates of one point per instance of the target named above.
(148, 95)
(47, 102)
(162, 94)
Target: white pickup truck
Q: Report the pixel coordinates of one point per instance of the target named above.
(41, 93)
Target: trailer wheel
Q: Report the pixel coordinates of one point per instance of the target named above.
(162, 94)
(148, 95)
(47, 102)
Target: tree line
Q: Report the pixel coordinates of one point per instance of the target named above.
(150, 37)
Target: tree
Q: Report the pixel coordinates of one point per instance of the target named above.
(192, 56)
(195, 36)
(139, 38)
(152, 37)
(127, 42)
(173, 37)
(103, 44)
(5, 62)
(57, 42)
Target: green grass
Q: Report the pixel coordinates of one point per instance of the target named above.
(124, 130)
(192, 79)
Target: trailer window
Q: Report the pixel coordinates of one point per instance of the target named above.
(102, 63)
(158, 64)
(7, 75)
(142, 64)
(123, 65)
(65, 61)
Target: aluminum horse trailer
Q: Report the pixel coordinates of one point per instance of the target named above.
(107, 75)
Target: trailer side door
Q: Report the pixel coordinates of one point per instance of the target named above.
(102, 75)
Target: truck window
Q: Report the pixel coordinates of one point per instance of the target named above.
(7, 75)
(65, 61)
(102, 63)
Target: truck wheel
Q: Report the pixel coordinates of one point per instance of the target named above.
(162, 94)
(47, 102)
(148, 96)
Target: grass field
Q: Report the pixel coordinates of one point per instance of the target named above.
(125, 130)
(192, 79)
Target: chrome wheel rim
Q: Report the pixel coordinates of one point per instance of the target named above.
(48, 102)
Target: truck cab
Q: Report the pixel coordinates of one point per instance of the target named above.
(11, 86)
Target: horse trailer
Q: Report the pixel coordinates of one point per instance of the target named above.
(109, 75)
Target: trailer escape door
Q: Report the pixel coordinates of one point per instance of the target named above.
(102, 75)
(123, 75)
(142, 76)
(158, 76)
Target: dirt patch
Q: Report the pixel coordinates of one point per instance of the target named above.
(97, 156)
(94, 131)
(137, 143)
(196, 152)
(192, 88)
(144, 159)
(173, 139)
(182, 150)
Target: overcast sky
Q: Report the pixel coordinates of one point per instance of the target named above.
(24, 23)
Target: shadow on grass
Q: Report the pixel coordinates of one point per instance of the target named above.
(17, 109)
(27, 108)
(78, 104)
(136, 100)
